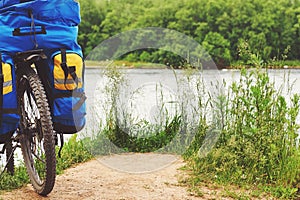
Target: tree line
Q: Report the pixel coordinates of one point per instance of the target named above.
(230, 30)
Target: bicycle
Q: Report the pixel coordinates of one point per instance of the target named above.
(35, 135)
(42, 87)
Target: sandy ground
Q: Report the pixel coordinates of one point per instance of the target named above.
(116, 178)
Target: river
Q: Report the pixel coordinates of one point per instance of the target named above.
(141, 87)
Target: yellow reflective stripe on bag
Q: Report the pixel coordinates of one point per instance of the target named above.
(7, 78)
(60, 81)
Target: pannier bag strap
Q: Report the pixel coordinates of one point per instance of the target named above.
(1, 90)
(68, 69)
(80, 102)
(23, 31)
(81, 95)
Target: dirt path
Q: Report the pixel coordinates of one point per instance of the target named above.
(94, 180)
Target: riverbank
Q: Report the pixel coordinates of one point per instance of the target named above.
(123, 64)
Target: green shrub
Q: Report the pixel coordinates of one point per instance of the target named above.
(8, 182)
(73, 152)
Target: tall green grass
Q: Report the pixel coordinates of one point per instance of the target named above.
(257, 143)
(121, 131)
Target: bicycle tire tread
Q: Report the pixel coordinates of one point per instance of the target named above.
(47, 129)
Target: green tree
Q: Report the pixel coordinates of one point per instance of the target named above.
(90, 28)
(218, 47)
(269, 28)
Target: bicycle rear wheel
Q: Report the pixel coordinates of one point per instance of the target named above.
(37, 138)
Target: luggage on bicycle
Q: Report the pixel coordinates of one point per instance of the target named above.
(51, 25)
(40, 36)
(9, 117)
(43, 24)
(66, 89)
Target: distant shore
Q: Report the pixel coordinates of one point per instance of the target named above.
(144, 65)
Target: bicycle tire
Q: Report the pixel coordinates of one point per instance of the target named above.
(37, 138)
(9, 157)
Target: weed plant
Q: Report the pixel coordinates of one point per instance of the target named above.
(171, 130)
(126, 132)
(257, 144)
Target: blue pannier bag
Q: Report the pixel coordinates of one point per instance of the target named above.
(9, 117)
(51, 25)
(66, 85)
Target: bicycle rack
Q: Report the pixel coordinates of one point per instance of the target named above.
(10, 156)
(2, 151)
